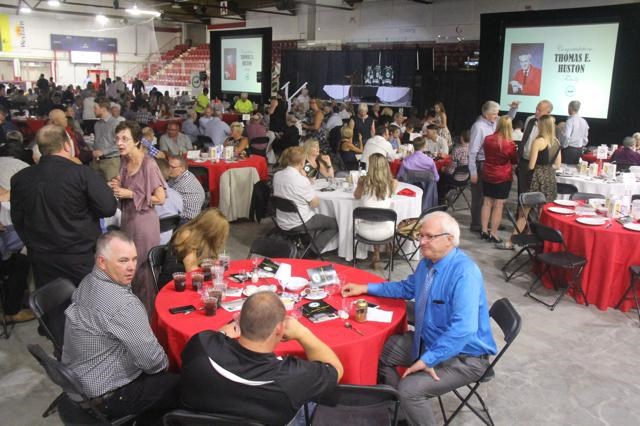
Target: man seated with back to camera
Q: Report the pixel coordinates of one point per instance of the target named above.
(452, 340)
(418, 161)
(108, 342)
(235, 372)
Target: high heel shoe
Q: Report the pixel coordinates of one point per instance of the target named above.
(494, 239)
(484, 235)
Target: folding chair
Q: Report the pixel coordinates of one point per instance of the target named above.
(75, 406)
(527, 242)
(424, 180)
(169, 223)
(633, 282)
(258, 146)
(566, 189)
(510, 322)
(564, 260)
(403, 237)
(202, 174)
(193, 418)
(533, 201)
(156, 260)
(371, 214)
(358, 405)
(459, 186)
(579, 196)
(288, 206)
(273, 247)
(48, 303)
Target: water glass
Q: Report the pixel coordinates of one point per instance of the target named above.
(346, 305)
(217, 272)
(210, 304)
(635, 209)
(197, 278)
(224, 259)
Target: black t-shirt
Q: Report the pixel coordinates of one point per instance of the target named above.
(221, 376)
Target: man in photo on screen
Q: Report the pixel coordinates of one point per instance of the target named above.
(527, 79)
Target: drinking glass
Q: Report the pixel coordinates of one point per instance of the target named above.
(197, 278)
(180, 281)
(217, 272)
(210, 304)
(345, 307)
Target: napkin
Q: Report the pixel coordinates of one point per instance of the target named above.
(283, 274)
(378, 315)
(407, 192)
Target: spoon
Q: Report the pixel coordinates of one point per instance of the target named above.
(348, 325)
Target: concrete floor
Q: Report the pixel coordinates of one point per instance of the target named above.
(573, 366)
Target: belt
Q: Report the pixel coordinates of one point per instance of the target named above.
(97, 401)
(106, 157)
(485, 356)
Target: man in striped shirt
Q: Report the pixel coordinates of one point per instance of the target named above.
(108, 342)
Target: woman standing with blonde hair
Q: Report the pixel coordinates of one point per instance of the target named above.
(545, 158)
(441, 122)
(376, 189)
(500, 153)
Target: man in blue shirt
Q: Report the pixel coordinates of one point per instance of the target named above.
(452, 339)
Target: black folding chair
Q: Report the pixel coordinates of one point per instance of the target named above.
(566, 189)
(579, 196)
(403, 237)
(169, 223)
(370, 214)
(305, 238)
(358, 406)
(510, 322)
(48, 303)
(75, 407)
(564, 261)
(533, 203)
(633, 283)
(202, 174)
(425, 180)
(156, 260)
(273, 247)
(460, 182)
(527, 242)
(635, 197)
(193, 418)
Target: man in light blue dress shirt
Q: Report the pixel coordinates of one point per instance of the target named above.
(573, 134)
(452, 340)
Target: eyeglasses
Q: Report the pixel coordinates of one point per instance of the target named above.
(175, 167)
(123, 139)
(430, 237)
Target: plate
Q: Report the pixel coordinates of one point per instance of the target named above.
(319, 295)
(566, 203)
(561, 210)
(297, 283)
(593, 221)
(252, 289)
(632, 226)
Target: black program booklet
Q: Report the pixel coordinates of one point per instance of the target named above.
(319, 311)
(269, 265)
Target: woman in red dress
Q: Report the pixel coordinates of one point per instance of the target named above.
(500, 153)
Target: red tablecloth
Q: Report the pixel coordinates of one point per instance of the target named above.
(591, 157)
(230, 117)
(217, 169)
(160, 126)
(440, 164)
(358, 354)
(609, 253)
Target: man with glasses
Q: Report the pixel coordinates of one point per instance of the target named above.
(452, 340)
(187, 185)
(173, 142)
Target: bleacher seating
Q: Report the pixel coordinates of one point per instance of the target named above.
(177, 65)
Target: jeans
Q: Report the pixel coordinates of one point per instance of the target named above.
(476, 199)
(417, 389)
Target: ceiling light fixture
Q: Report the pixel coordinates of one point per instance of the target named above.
(102, 19)
(25, 9)
(137, 12)
(53, 3)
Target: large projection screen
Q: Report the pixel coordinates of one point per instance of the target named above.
(559, 63)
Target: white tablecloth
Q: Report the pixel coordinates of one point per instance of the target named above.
(340, 205)
(337, 91)
(598, 186)
(391, 94)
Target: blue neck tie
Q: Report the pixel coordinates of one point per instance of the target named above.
(420, 307)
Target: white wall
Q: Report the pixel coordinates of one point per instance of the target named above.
(402, 20)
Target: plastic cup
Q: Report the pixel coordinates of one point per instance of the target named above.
(217, 272)
(180, 281)
(197, 278)
(210, 305)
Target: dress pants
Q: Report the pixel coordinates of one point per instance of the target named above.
(149, 396)
(417, 389)
(48, 266)
(14, 271)
(571, 155)
(524, 176)
(476, 199)
(327, 227)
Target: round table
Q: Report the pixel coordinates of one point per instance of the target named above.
(358, 354)
(340, 204)
(217, 169)
(597, 185)
(609, 253)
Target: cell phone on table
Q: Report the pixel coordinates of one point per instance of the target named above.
(372, 305)
(182, 309)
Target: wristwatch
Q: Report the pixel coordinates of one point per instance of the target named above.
(223, 333)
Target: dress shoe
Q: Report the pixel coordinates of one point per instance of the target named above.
(484, 235)
(23, 316)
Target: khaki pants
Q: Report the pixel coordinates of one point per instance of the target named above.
(108, 168)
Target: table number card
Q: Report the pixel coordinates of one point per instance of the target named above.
(603, 152)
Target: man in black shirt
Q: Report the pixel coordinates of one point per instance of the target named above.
(55, 208)
(245, 378)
